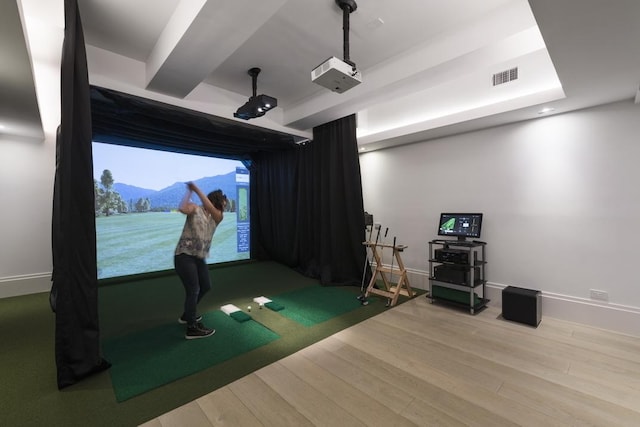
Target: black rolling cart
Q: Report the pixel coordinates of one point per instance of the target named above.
(457, 273)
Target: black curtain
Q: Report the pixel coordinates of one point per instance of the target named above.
(121, 118)
(74, 291)
(307, 206)
(274, 195)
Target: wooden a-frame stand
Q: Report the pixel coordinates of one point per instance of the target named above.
(391, 291)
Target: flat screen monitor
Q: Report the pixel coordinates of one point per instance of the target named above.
(460, 225)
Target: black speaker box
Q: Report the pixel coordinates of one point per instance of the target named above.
(522, 305)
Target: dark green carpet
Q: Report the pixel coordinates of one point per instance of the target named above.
(29, 395)
(316, 304)
(145, 360)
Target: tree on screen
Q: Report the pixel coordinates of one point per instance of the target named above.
(108, 200)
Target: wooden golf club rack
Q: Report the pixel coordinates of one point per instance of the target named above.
(391, 291)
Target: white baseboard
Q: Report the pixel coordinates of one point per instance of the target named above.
(24, 285)
(603, 315)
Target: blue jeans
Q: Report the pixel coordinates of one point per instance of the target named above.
(194, 274)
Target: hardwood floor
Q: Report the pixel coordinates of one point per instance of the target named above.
(431, 365)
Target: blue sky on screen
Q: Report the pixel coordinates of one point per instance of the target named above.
(153, 169)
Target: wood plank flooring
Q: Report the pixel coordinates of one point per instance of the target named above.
(422, 364)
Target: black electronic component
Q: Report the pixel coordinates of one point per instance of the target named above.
(458, 256)
(257, 105)
(522, 305)
(460, 225)
(458, 274)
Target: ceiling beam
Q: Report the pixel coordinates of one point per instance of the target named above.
(199, 38)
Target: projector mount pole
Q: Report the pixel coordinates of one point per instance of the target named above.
(253, 72)
(347, 7)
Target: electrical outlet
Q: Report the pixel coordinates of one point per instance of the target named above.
(599, 295)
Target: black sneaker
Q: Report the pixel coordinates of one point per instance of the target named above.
(184, 322)
(198, 331)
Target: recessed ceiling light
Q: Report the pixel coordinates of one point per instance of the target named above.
(546, 110)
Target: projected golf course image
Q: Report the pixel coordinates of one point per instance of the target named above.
(138, 223)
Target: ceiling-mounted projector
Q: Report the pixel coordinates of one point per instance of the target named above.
(334, 74)
(257, 105)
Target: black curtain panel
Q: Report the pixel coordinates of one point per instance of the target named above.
(309, 212)
(74, 291)
(274, 194)
(121, 118)
(332, 208)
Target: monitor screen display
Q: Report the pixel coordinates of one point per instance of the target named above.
(460, 225)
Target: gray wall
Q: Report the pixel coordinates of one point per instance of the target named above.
(559, 196)
(26, 190)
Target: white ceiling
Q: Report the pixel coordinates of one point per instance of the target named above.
(426, 65)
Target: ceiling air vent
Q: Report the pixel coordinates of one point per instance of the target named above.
(505, 76)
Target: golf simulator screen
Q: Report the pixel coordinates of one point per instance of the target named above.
(138, 191)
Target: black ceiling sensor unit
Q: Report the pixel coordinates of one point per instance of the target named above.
(334, 74)
(257, 105)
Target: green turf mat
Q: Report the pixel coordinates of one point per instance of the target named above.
(148, 359)
(274, 306)
(240, 316)
(316, 304)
